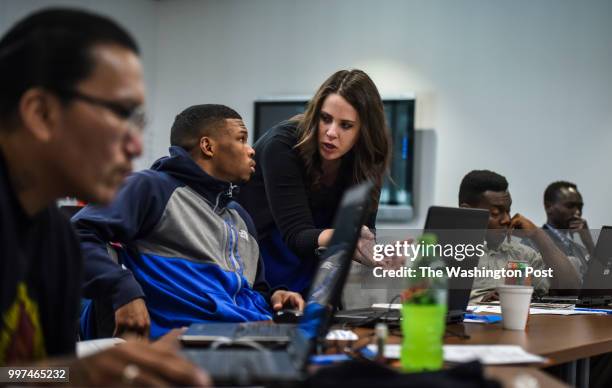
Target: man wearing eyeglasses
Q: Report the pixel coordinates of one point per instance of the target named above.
(70, 122)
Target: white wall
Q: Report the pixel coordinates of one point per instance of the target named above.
(521, 87)
(137, 16)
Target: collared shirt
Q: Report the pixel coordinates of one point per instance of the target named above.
(498, 258)
(576, 253)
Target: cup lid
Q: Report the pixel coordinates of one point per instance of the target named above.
(518, 289)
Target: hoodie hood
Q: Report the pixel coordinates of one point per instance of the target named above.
(181, 166)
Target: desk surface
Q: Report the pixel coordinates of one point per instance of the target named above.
(507, 375)
(560, 338)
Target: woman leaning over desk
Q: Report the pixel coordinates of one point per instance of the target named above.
(304, 165)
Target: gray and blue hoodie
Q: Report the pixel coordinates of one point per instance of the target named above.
(185, 245)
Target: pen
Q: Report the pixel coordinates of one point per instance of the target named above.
(593, 310)
(382, 332)
(483, 318)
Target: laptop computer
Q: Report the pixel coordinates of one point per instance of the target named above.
(451, 226)
(327, 285)
(596, 287)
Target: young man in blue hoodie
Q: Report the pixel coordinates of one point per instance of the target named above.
(186, 247)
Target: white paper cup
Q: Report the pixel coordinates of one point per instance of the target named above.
(514, 301)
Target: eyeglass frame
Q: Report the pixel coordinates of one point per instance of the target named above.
(135, 117)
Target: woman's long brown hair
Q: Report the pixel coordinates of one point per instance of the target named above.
(371, 152)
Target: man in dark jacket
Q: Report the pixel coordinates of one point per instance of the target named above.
(565, 226)
(70, 124)
(188, 249)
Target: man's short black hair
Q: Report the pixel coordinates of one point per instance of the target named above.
(476, 182)
(551, 194)
(197, 121)
(51, 49)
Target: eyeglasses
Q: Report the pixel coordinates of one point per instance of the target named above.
(135, 117)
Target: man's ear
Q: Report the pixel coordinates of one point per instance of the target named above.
(207, 146)
(548, 207)
(39, 111)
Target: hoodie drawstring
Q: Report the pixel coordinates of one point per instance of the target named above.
(229, 193)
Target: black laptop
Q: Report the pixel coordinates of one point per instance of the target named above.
(253, 363)
(451, 226)
(597, 283)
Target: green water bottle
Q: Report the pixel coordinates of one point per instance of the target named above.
(424, 311)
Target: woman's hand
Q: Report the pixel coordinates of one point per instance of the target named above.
(364, 253)
(397, 260)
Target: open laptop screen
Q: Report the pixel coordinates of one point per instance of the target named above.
(598, 279)
(329, 280)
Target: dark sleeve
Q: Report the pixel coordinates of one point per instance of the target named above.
(370, 221)
(65, 311)
(134, 212)
(260, 284)
(284, 182)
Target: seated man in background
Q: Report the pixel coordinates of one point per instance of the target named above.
(563, 204)
(485, 189)
(70, 99)
(190, 251)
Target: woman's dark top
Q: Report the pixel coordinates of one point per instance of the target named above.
(288, 215)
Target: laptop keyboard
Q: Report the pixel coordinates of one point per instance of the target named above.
(243, 366)
(258, 329)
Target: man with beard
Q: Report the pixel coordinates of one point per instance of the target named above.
(488, 190)
(564, 223)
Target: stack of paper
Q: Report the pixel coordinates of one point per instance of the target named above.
(394, 306)
(537, 311)
(490, 354)
(90, 347)
(487, 354)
